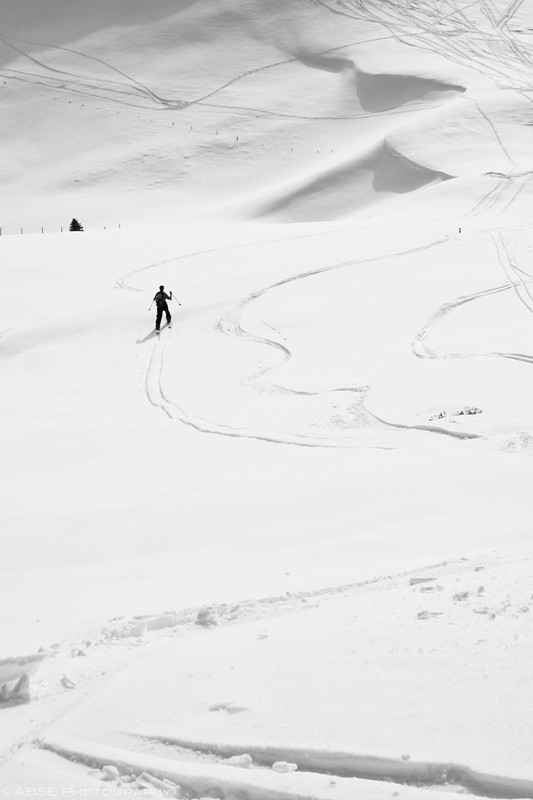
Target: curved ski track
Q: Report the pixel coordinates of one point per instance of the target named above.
(200, 768)
(231, 324)
(515, 282)
(490, 48)
(133, 92)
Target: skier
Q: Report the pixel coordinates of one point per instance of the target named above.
(160, 299)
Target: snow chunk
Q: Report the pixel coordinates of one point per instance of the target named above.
(206, 617)
(96, 773)
(165, 786)
(244, 761)
(110, 773)
(136, 629)
(284, 766)
(15, 676)
(162, 621)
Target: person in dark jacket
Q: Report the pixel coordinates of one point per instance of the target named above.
(160, 299)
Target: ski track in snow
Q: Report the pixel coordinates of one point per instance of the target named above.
(352, 765)
(223, 780)
(231, 324)
(226, 781)
(494, 202)
(515, 282)
(124, 632)
(493, 50)
(183, 762)
(126, 94)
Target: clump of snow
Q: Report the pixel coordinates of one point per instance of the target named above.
(20, 691)
(461, 412)
(15, 677)
(67, 682)
(284, 766)
(206, 618)
(135, 629)
(166, 786)
(96, 773)
(168, 620)
(110, 772)
(244, 760)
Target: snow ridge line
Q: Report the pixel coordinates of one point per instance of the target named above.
(228, 781)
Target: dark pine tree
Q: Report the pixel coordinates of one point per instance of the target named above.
(75, 225)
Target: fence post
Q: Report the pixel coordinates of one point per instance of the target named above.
(21, 231)
(42, 230)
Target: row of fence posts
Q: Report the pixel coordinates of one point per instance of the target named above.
(62, 230)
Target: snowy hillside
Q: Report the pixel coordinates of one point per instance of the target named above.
(283, 548)
(303, 110)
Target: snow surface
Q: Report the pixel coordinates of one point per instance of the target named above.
(294, 529)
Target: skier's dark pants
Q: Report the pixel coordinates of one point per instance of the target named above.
(159, 317)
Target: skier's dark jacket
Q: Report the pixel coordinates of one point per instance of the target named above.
(161, 298)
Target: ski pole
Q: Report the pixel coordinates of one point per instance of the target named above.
(151, 304)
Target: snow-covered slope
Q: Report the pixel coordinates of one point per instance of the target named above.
(338, 419)
(127, 111)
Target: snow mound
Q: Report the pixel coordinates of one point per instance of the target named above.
(352, 181)
(15, 676)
